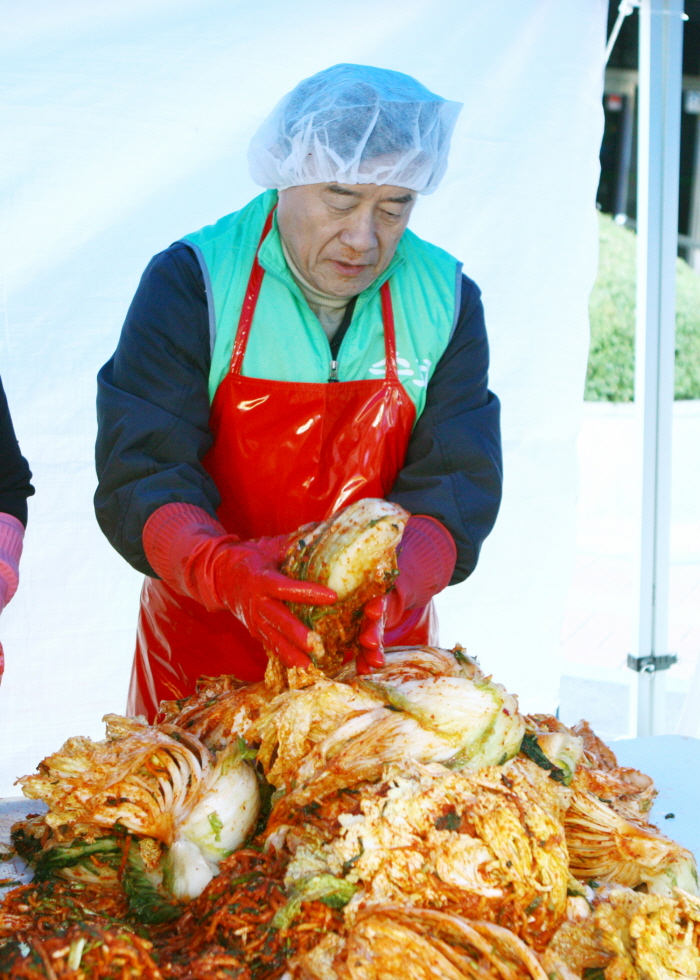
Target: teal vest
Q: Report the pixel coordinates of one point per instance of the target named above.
(287, 342)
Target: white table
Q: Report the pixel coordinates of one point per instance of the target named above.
(12, 810)
(673, 762)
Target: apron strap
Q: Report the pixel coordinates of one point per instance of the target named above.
(249, 303)
(389, 332)
(251, 299)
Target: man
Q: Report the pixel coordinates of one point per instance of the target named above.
(300, 354)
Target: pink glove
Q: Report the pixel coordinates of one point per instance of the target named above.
(11, 538)
(195, 556)
(427, 557)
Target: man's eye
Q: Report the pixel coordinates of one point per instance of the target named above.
(392, 214)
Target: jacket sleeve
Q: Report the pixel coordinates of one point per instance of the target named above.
(153, 406)
(14, 469)
(453, 467)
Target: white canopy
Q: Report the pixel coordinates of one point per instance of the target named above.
(127, 124)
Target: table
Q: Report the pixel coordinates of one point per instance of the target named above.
(12, 810)
(673, 762)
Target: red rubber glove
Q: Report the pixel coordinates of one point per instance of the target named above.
(371, 638)
(192, 553)
(426, 559)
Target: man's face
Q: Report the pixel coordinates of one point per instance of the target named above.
(342, 236)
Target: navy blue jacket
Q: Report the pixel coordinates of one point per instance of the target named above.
(153, 419)
(14, 469)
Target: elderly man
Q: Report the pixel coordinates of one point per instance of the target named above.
(300, 354)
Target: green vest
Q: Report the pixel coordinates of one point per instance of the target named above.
(287, 342)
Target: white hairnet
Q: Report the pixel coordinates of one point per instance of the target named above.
(353, 124)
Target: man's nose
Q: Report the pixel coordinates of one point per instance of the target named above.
(360, 233)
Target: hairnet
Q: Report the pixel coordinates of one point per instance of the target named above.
(353, 124)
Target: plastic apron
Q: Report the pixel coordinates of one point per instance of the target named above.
(284, 454)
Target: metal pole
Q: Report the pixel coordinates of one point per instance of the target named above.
(660, 77)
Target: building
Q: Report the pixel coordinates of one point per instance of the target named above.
(617, 189)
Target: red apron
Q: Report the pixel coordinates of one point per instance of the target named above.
(284, 454)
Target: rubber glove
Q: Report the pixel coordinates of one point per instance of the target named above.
(371, 638)
(11, 539)
(193, 554)
(426, 559)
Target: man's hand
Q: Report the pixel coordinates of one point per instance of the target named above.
(426, 561)
(371, 638)
(246, 579)
(191, 551)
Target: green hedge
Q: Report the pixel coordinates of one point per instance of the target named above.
(610, 374)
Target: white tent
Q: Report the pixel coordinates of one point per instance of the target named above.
(125, 126)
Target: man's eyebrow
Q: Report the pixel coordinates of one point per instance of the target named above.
(337, 189)
(404, 199)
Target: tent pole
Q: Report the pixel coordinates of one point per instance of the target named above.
(660, 82)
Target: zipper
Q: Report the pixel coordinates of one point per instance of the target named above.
(338, 338)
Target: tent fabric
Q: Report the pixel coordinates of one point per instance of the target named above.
(128, 124)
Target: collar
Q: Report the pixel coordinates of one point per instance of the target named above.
(313, 296)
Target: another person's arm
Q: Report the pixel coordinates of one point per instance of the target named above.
(15, 487)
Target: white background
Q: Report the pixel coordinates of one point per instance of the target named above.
(125, 125)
